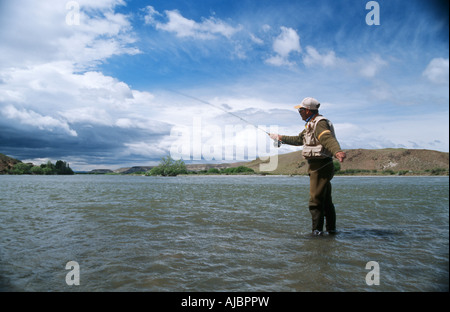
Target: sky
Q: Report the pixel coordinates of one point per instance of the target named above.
(116, 83)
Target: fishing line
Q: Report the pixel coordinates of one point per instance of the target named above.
(276, 143)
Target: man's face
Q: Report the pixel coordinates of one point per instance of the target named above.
(305, 113)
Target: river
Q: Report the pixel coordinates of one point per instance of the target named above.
(221, 233)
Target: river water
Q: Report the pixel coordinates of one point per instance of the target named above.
(221, 233)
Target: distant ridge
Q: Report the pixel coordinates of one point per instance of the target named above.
(412, 161)
(133, 169)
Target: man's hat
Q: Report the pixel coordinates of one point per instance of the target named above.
(309, 103)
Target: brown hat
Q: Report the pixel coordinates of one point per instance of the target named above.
(309, 103)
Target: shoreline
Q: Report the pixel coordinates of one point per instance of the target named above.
(241, 175)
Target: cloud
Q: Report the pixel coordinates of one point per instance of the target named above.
(370, 67)
(278, 60)
(376, 132)
(313, 57)
(183, 27)
(256, 40)
(54, 102)
(437, 71)
(286, 43)
(88, 115)
(367, 67)
(150, 16)
(28, 117)
(38, 32)
(50, 85)
(146, 149)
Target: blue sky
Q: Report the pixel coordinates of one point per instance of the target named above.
(103, 91)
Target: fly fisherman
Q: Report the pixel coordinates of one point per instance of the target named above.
(319, 146)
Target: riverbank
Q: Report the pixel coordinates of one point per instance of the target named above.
(377, 162)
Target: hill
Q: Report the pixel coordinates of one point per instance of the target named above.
(7, 163)
(133, 169)
(412, 161)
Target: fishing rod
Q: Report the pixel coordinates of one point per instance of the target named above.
(276, 143)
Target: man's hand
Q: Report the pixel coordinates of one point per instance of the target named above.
(340, 156)
(275, 136)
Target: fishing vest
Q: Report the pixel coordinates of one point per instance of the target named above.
(311, 145)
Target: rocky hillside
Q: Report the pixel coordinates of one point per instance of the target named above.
(7, 163)
(411, 160)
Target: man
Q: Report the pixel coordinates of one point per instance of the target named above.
(319, 146)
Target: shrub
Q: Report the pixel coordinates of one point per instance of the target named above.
(37, 170)
(240, 169)
(168, 168)
(213, 170)
(439, 171)
(61, 167)
(337, 166)
(21, 168)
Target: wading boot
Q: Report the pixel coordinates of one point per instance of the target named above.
(317, 220)
(330, 217)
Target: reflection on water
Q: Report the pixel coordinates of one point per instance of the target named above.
(220, 233)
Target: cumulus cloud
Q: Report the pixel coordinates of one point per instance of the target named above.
(88, 114)
(183, 27)
(41, 33)
(28, 117)
(53, 100)
(287, 42)
(96, 40)
(437, 71)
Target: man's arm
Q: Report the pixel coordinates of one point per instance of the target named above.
(296, 140)
(327, 139)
